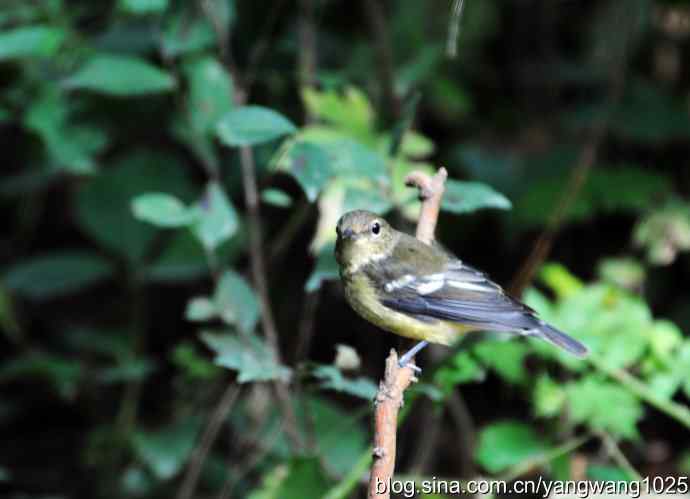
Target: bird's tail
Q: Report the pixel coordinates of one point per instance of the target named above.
(560, 339)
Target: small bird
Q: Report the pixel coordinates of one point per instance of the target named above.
(422, 292)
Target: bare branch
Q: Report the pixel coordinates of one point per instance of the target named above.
(389, 398)
(430, 194)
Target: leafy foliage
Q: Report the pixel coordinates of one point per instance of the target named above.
(129, 305)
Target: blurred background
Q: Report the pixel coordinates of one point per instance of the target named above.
(171, 322)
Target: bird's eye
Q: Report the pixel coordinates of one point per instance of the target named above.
(376, 228)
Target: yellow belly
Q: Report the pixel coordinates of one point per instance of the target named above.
(362, 298)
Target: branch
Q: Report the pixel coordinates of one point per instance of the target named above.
(215, 423)
(430, 194)
(389, 398)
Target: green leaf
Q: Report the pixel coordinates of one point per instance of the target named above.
(210, 93)
(200, 309)
(187, 357)
(326, 269)
(548, 397)
(121, 76)
(302, 477)
(142, 7)
(310, 165)
(506, 358)
(508, 443)
(165, 451)
(57, 274)
(560, 280)
(30, 41)
(276, 197)
(162, 210)
(131, 369)
(247, 355)
(466, 197)
(332, 379)
(217, 217)
(62, 372)
(461, 369)
(188, 30)
(182, 259)
(104, 202)
(350, 112)
(70, 146)
(236, 302)
(251, 125)
(590, 401)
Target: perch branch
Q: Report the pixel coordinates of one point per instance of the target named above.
(430, 194)
(389, 398)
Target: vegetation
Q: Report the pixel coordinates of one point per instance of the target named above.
(171, 319)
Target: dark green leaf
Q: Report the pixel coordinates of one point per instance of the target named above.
(104, 203)
(251, 125)
(217, 217)
(247, 355)
(302, 477)
(62, 372)
(121, 76)
(57, 274)
(30, 41)
(332, 379)
(210, 93)
(311, 166)
(236, 302)
(165, 451)
(140, 7)
(466, 197)
(508, 443)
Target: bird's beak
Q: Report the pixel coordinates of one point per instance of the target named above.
(348, 234)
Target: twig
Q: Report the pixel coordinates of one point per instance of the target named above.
(396, 379)
(454, 28)
(465, 429)
(307, 53)
(259, 276)
(215, 423)
(389, 399)
(617, 455)
(430, 194)
(677, 411)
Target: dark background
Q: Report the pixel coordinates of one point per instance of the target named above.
(573, 116)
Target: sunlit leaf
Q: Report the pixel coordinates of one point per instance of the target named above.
(590, 401)
(548, 397)
(276, 197)
(121, 76)
(248, 355)
(506, 358)
(507, 443)
(462, 368)
(302, 477)
(56, 274)
(251, 125)
(200, 309)
(162, 210)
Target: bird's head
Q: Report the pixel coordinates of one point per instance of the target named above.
(363, 236)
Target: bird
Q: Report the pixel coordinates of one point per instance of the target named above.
(423, 292)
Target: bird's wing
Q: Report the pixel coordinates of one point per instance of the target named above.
(460, 293)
